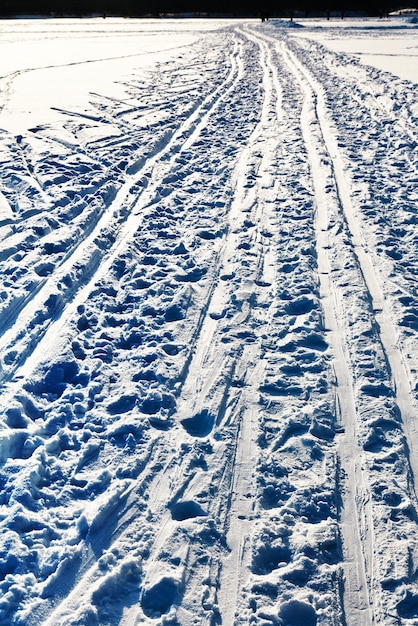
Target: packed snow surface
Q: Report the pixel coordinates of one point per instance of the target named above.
(209, 324)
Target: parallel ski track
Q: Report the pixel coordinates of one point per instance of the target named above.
(357, 602)
(234, 572)
(403, 380)
(399, 127)
(202, 377)
(171, 473)
(356, 598)
(87, 254)
(358, 542)
(368, 88)
(207, 386)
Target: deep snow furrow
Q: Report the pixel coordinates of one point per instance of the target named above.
(52, 297)
(373, 549)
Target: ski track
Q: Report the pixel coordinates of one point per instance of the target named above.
(82, 255)
(208, 348)
(398, 375)
(357, 597)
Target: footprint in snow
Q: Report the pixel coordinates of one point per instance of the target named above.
(298, 613)
(200, 425)
(157, 600)
(408, 607)
(187, 509)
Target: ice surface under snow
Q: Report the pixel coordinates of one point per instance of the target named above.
(209, 323)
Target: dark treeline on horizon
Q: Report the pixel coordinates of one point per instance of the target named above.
(209, 8)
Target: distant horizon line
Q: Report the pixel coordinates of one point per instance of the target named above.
(287, 14)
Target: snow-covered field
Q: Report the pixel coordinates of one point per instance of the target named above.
(209, 323)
